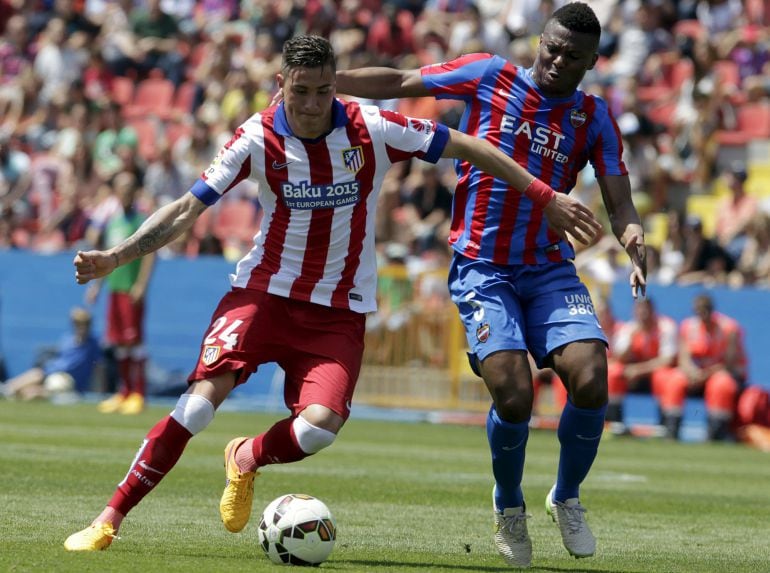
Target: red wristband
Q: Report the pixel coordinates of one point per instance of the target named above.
(539, 193)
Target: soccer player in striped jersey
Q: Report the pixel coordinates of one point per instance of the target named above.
(299, 297)
(540, 118)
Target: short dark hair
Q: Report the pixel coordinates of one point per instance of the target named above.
(578, 17)
(308, 52)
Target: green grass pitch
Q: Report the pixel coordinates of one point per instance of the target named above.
(407, 497)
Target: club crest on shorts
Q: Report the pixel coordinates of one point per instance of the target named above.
(210, 354)
(353, 158)
(577, 118)
(482, 332)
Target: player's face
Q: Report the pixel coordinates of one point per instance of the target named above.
(563, 58)
(307, 98)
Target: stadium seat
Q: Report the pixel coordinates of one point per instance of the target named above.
(153, 96)
(704, 207)
(727, 73)
(690, 28)
(122, 90)
(679, 72)
(147, 134)
(175, 130)
(184, 98)
(753, 123)
(662, 114)
(236, 220)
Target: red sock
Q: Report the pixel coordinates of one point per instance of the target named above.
(125, 368)
(159, 452)
(278, 445)
(138, 379)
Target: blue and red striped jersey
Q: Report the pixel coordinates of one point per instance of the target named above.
(552, 138)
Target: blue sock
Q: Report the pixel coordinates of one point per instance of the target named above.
(508, 444)
(580, 431)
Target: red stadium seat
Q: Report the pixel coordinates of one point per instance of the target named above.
(184, 97)
(122, 90)
(177, 129)
(727, 73)
(690, 28)
(153, 96)
(236, 220)
(147, 134)
(753, 123)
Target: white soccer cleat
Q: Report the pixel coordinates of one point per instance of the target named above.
(570, 517)
(511, 535)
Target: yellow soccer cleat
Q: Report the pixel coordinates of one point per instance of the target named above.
(235, 505)
(111, 405)
(133, 404)
(95, 537)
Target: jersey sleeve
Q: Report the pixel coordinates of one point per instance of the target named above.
(458, 78)
(230, 166)
(407, 137)
(607, 153)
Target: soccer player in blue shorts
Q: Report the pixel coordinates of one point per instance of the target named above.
(511, 277)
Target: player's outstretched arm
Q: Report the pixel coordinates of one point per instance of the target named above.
(627, 227)
(162, 227)
(564, 214)
(381, 83)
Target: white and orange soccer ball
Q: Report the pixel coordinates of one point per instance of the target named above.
(297, 529)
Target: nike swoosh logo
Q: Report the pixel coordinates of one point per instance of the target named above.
(588, 438)
(505, 94)
(511, 448)
(277, 165)
(144, 465)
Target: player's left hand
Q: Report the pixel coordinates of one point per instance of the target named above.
(637, 252)
(567, 217)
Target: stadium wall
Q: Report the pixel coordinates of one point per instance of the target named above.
(37, 292)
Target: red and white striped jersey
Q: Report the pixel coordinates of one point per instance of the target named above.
(316, 239)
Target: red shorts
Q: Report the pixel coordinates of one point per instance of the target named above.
(320, 348)
(124, 320)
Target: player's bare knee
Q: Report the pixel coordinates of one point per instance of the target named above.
(590, 394)
(193, 412)
(311, 438)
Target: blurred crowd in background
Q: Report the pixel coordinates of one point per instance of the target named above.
(93, 88)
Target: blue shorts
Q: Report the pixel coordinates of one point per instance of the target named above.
(522, 307)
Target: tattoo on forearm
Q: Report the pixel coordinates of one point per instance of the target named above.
(153, 239)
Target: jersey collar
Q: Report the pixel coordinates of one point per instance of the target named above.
(281, 124)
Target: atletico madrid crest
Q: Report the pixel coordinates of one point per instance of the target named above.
(210, 354)
(482, 332)
(353, 158)
(577, 118)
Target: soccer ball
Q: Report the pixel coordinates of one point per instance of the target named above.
(59, 383)
(297, 529)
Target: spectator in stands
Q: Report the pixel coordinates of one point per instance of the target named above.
(753, 268)
(712, 362)
(427, 206)
(157, 41)
(735, 212)
(164, 181)
(114, 132)
(59, 61)
(642, 349)
(16, 59)
(15, 176)
(705, 260)
(125, 306)
(73, 359)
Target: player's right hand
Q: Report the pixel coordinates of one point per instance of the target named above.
(566, 215)
(90, 265)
